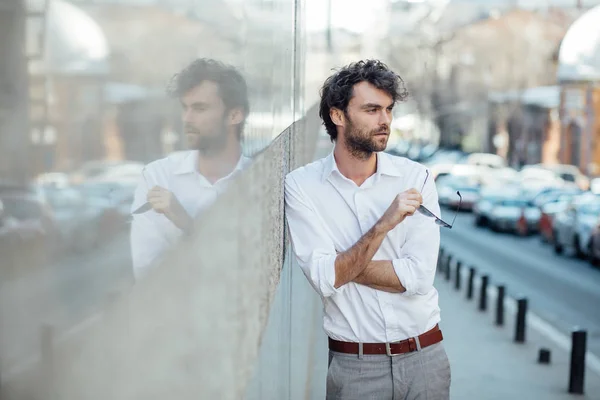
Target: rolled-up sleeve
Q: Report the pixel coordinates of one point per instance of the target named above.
(417, 263)
(314, 249)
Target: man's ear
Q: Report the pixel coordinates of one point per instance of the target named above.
(236, 116)
(337, 116)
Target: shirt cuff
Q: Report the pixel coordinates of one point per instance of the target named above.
(325, 276)
(405, 276)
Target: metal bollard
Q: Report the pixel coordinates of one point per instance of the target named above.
(448, 261)
(483, 293)
(577, 371)
(521, 317)
(500, 306)
(470, 283)
(457, 275)
(544, 356)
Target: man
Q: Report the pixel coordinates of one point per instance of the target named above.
(174, 189)
(364, 248)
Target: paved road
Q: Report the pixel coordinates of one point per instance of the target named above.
(563, 290)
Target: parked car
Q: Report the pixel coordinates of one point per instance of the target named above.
(30, 227)
(485, 160)
(594, 246)
(506, 214)
(494, 177)
(569, 174)
(546, 203)
(77, 221)
(469, 194)
(549, 211)
(490, 196)
(113, 199)
(448, 185)
(551, 194)
(536, 178)
(573, 227)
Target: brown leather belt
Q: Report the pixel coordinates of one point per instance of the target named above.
(428, 338)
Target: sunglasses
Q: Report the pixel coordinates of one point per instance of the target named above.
(425, 211)
(146, 206)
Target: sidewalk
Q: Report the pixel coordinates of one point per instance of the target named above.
(486, 363)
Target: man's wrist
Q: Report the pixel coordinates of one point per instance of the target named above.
(188, 225)
(183, 221)
(381, 228)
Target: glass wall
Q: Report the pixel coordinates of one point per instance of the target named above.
(141, 233)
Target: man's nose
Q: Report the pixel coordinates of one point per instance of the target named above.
(186, 115)
(385, 118)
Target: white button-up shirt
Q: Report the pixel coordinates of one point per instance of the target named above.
(328, 213)
(153, 233)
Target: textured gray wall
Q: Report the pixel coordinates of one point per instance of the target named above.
(192, 328)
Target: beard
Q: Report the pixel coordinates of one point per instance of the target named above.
(207, 143)
(363, 144)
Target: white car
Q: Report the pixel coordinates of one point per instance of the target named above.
(507, 213)
(489, 197)
(570, 174)
(573, 227)
(486, 160)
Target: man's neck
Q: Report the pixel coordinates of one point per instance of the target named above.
(353, 168)
(217, 166)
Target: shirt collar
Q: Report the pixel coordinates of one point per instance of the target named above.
(188, 164)
(385, 166)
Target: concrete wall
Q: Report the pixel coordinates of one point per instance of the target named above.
(193, 327)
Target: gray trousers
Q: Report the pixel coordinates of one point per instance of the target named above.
(420, 375)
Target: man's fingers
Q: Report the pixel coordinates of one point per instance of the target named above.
(156, 190)
(154, 195)
(412, 204)
(412, 197)
(410, 210)
(158, 203)
(158, 194)
(408, 206)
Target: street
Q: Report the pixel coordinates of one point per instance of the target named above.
(561, 289)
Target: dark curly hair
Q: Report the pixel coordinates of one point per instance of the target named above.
(338, 88)
(232, 85)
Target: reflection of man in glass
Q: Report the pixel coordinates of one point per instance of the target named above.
(174, 189)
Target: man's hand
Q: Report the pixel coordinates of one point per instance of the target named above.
(165, 202)
(405, 204)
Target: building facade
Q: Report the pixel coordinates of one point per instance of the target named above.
(579, 80)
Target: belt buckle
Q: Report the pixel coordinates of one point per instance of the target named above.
(388, 350)
(412, 345)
